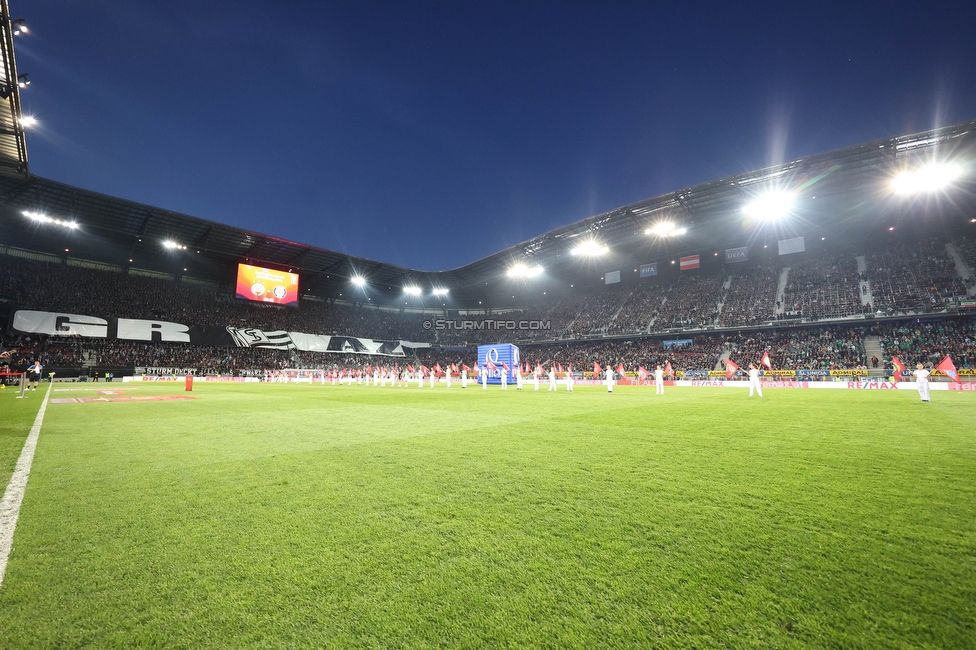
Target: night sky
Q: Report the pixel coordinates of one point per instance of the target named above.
(434, 134)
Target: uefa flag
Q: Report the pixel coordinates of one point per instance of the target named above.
(949, 369)
(765, 360)
(668, 370)
(899, 368)
(730, 368)
(641, 372)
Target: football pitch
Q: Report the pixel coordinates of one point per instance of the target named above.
(266, 515)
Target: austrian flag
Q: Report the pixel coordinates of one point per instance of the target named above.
(731, 367)
(690, 262)
(949, 369)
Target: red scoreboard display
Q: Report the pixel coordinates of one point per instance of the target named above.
(267, 285)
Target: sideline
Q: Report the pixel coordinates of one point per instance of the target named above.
(14, 494)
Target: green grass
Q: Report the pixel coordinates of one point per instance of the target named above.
(298, 516)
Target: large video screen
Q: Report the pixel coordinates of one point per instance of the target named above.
(267, 285)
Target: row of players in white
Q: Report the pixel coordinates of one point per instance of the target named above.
(609, 379)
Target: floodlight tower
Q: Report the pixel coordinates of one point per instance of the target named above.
(13, 144)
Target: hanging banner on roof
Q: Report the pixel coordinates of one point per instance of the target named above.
(795, 245)
(647, 270)
(740, 254)
(690, 262)
(135, 329)
(611, 277)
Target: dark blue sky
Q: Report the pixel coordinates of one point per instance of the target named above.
(433, 134)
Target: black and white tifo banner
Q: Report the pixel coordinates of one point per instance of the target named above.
(134, 329)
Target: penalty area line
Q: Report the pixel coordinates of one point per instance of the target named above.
(14, 494)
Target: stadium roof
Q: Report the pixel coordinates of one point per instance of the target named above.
(13, 145)
(841, 193)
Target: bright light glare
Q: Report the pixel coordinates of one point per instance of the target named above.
(43, 218)
(27, 121)
(590, 248)
(770, 207)
(440, 292)
(412, 290)
(930, 178)
(520, 270)
(358, 280)
(665, 229)
(172, 245)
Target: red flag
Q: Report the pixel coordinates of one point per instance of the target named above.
(476, 366)
(730, 368)
(437, 367)
(539, 369)
(368, 369)
(505, 366)
(596, 369)
(947, 367)
(464, 366)
(490, 365)
(569, 368)
(765, 360)
(899, 368)
(559, 367)
(689, 262)
(668, 370)
(641, 372)
(410, 368)
(454, 368)
(620, 370)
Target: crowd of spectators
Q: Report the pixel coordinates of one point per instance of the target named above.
(824, 287)
(915, 278)
(637, 311)
(600, 310)
(914, 342)
(812, 348)
(919, 277)
(751, 296)
(692, 302)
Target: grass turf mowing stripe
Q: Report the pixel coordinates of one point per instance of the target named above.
(13, 496)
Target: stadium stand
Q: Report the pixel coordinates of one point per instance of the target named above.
(751, 297)
(824, 287)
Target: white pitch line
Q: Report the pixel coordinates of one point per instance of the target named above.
(14, 494)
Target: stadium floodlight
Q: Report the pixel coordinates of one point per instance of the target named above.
(19, 27)
(930, 178)
(770, 206)
(412, 290)
(520, 270)
(440, 292)
(23, 80)
(590, 248)
(40, 217)
(172, 245)
(28, 121)
(358, 280)
(665, 229)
